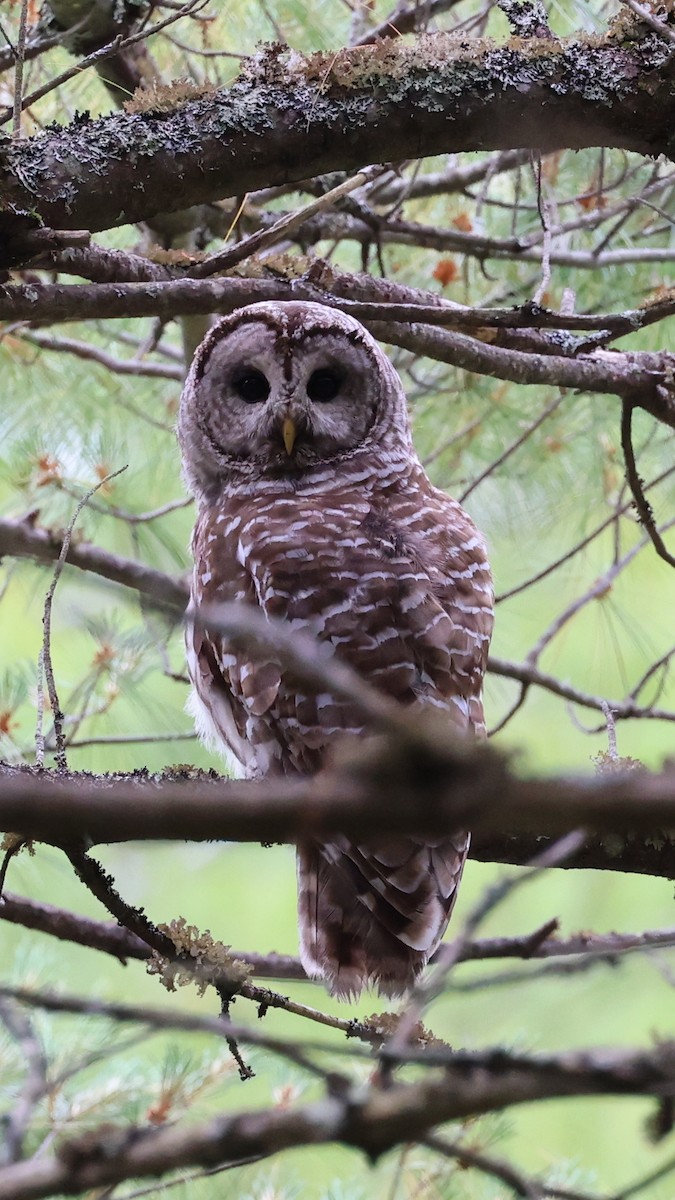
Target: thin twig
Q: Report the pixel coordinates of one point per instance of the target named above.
(515, 445)
(159, 1018)
(224, 260)
(366, 1117)
(579, 546)
(45, 659)
(132, 518)
(662, 662)
(135, 739)
(102, 886)
(115, 47)
(40, 711)
(642, 505)
(650, 19)
(113, 939)
(31, 50)
(85, 350)
(17, 1120)
(7, 857)
(598, 589)
(494, 1167)
(611, 731)
(529, 675)
(646, 1181)
(18, 71)
(544, 207)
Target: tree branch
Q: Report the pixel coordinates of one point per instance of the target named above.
(286, 118)
(644, 376)
(636, 485)
(23, 539)
(108, 937)
(530, 675)
(429, 786)
(93, 353)
(371, 1119)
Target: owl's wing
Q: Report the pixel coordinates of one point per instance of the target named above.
(451, 621)
(231, 690)
(375, 911)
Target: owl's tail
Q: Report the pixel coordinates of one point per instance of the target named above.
(372, 915)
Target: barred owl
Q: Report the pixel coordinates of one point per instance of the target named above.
(313, 507)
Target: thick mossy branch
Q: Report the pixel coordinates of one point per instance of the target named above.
(288, 117)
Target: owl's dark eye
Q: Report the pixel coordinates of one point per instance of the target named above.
(251, 386)
(324, 384)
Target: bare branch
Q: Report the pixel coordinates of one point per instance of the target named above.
(645, 376)
(34, 1059)
(93, 353)
(642, 505)
(488, 1165)
(581, 545)
(18, 70)
(405, 18)
(45, 662)
(32, 49)
(111, 938)
(646, 15)
(431, 984)
(23, 539)
(371, 1119)
(104, 52)
(282, 228)
(511, 449)
(227, 980)
(462, 786)
(530, 675)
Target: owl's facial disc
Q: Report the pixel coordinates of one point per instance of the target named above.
(288, 403)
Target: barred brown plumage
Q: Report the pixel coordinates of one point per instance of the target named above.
(313, 506)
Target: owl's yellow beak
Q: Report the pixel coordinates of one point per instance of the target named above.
(289, 433)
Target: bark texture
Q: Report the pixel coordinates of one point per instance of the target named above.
(288, 117)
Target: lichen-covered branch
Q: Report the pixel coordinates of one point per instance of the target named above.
(109, 937)
(286, 118)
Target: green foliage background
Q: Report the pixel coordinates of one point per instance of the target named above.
(65, 423)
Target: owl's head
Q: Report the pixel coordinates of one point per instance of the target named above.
(279, 389)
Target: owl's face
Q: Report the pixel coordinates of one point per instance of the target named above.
(277, 389)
